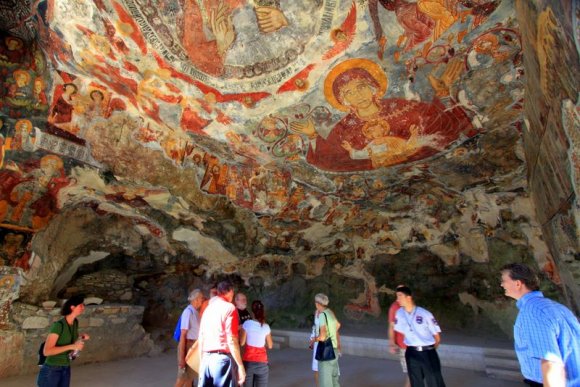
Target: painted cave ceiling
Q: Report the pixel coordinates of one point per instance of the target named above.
(265, 126)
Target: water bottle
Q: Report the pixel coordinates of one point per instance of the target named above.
(74, 354)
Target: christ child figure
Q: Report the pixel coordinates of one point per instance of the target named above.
(383, 150)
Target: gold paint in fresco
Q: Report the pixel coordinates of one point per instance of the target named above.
(371, 67)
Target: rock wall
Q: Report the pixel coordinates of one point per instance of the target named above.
(551, 36)
(110, 284)
(116, 332)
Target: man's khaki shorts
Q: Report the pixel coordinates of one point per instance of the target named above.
(189, 373)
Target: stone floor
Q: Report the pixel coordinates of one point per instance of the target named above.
(289, 368)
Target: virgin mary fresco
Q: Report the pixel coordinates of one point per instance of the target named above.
(377, 131)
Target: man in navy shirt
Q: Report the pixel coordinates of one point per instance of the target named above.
(421, 338)
(546, 333)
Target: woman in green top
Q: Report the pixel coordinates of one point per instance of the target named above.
(62, 341)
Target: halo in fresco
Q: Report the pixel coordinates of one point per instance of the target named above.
(236, 45)
(369, 66)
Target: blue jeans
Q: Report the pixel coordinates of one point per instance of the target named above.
(53, 376)
(256, 374)
(217, 370)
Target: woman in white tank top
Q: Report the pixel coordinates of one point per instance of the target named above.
(257, 336)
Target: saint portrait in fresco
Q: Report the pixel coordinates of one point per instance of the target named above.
(15, 248)
(378, 131)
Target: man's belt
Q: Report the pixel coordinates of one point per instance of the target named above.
(421, 348)
(218, 351)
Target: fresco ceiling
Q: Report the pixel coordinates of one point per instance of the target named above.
(238, 91)
(271, 126)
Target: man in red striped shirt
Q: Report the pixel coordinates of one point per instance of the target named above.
(221, 362)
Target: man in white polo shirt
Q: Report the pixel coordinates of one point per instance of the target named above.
(421, 338)
(189, 331)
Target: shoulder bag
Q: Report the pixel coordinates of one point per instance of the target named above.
(192, 357)
(324, 349)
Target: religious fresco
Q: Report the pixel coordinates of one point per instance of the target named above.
(378, 132)
(23, 73)
(251, 43)
(10, 281)
(197, 88)
(30, 191)
(135, 79)
(15, 248)
(32, 169)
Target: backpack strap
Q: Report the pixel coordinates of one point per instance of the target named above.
(72, 331)
(76, 327)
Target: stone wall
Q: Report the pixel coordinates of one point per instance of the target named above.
(11, 356)
(552, 141)
(112, 285)
(115, 331)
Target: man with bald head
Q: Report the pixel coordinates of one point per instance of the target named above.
(241, 302)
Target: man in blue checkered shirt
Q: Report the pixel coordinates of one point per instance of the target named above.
(546, 333)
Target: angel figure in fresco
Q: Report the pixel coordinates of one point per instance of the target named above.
(357, 86)
(342, 36)
(242, 32)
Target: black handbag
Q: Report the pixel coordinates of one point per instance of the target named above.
(324, 349)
